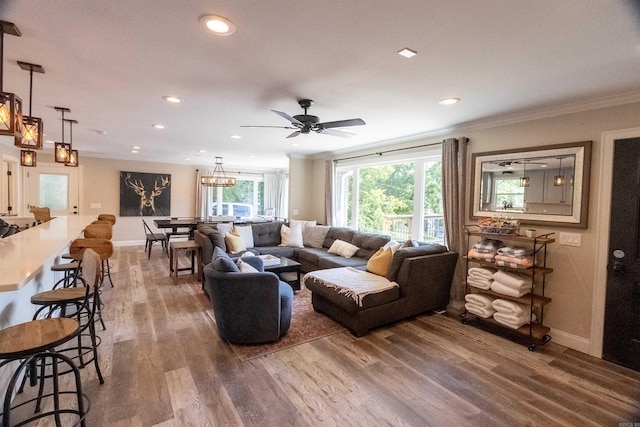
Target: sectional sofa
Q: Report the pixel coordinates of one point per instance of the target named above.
(423, 273)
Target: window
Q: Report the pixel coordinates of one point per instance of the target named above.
(401, 197)
(53, 191)
(509, 194)
(244, 200)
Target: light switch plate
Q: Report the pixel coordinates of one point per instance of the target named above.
(571, 239)
(95, 205)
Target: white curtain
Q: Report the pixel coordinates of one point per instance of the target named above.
(275, 193)
(203, 198)
(282, 205)
(329, 211)
(454, 167)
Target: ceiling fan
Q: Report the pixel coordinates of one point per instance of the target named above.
(305, 123)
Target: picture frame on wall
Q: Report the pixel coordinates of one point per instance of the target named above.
(145, 194)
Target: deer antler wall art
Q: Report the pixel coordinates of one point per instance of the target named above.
(145, 194)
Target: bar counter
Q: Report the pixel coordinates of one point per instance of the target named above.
(24, 255)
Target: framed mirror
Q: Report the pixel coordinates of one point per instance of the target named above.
(547, 185)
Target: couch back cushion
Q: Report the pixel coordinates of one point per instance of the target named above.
(403, 253)
(266, 234)
(338, 233)
(222, 263)
(368, 243)
(214, 236)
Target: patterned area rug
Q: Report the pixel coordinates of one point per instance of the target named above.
(306, 325)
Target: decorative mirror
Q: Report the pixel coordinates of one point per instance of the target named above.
(547, 184)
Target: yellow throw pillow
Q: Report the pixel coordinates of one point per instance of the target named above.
(234, 242)
(380, 261)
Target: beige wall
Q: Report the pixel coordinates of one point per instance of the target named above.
(571, 286)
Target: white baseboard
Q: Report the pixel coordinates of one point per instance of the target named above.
(574, 342)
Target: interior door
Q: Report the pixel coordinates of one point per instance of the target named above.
(622, 308)
(53, 186)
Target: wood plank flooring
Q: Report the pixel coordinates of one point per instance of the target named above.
(164, 365)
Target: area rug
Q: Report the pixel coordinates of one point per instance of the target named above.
(306, 326)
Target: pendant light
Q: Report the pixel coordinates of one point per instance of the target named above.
(27, 158)
(31, 137)
(10, 104)
(218, 178)
(558, 180)
(72, 161)
(61, 150)
(525, 180)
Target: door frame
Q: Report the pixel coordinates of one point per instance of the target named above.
(25, 187)
(602, 235)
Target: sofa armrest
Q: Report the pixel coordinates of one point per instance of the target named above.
(427, 279)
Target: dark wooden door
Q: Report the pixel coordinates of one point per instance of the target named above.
(622, 315)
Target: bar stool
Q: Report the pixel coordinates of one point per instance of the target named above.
(79, 302)
(71, 269)
(34, 342)
(107, 217)
(103, 247)
(98, 230)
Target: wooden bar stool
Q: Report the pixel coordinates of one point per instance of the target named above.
(35, 342)
(107, 217)
(103, 247)
(98, 230)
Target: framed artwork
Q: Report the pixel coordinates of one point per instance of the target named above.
(145, 194)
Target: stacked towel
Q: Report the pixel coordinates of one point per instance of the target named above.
(509, 307)
(510, 284)
(514, 257)
(480, 277)
(480, 305)
(485, 249)
(513, 321)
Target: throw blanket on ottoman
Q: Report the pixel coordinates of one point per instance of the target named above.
(353, 283)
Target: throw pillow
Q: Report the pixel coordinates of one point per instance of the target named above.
(246, 233)
(234, 243)
(224, 228)
(393, 245)
(313, 235)
(291, 236)
(221, 262)
(342, 248)
(245, 267)
(380, 261)
(410, 244)
(302, 223)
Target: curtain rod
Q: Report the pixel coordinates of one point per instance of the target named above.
(380, 153)
(243, 173)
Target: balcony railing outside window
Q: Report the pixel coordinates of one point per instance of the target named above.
(399, 227)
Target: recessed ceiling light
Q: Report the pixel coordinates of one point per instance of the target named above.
(407, 53)
(48, 141)
(236, 137)
(157, 126)
(99, 132)
(202, 151)
(294, 144)
(449, 101)
(252, 156)
(135, 147)
(218, 25)
(134, 151)
(173, 99)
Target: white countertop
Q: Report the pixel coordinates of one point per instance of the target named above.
(23, 254)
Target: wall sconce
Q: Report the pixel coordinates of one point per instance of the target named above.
(72, 160)
(558, 180)
(61, 150)
(27, 158)
(218, 178)
(10, 104)
(32, 131)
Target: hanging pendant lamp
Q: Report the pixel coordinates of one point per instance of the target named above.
(558, 180)
(31, 126)
(61, 150)
(10, 104)
(27, 158)
(525, 180)
(218, 178)
(72, 161)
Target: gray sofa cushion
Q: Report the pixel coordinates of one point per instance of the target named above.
(368, 243)
(212, 233)
(222, 263)
(285, 251)
(338, 233)
(347, 303)
(312, 255)
(266, 234)
(403, 253)
(334, 261)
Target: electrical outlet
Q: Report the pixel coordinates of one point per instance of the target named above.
(571, 239)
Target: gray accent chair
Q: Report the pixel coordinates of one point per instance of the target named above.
(249, 308)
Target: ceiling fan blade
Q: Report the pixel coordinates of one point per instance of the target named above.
(275, 127)
(285, 116)
(342, 123)
(294, 134)
(334, 132)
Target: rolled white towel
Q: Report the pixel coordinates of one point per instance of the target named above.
(479, 283)
(512, 321)
(479, 300)
(481, 273)
(512, 280)
(509, 307)
(485, 313)
(506, 290)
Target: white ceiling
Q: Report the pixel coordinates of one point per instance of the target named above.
(112, 61)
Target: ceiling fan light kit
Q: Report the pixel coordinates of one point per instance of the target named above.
(305, 123)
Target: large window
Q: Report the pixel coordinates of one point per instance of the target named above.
(244, 200)
(400, 197)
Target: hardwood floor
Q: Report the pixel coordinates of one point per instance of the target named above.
(164, 365)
